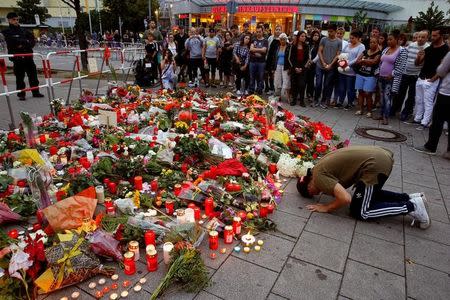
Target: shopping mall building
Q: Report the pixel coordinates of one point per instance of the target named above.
(295, 13)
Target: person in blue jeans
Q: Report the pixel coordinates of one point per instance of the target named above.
(258, 50)
(347, 76)
(329, 50)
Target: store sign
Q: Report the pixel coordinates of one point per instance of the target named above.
(257, 9)
(183, 16)
(267, 9)
(219, 9)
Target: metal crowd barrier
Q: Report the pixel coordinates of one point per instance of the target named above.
(7, 93)
(123, 64)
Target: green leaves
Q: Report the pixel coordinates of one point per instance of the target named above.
(430, 19)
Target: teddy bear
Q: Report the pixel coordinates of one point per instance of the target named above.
(343, 62)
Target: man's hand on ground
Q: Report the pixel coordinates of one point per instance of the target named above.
(317, 207)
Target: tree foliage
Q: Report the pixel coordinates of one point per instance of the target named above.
(433, 17)
(133, 13)
(359, 20)
(28, 8)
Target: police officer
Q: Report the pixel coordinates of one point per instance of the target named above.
(19, 41)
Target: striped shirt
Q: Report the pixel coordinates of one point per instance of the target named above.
(411, 68)
(243, 52)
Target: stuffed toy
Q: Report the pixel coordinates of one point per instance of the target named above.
(343, 62)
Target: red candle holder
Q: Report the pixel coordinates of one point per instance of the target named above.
(228, 235)
(263, 210)
(149, 238)
(209, 206)
(152, 260)
(213, 240)
(138, 183)
(154, 185)
(170, 207)
(177, 189)
(237, 226)
(129, 263)
(197, 213)
(53, 150)
(36, 226)
(106, 181)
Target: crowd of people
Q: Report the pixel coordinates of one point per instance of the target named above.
(392, 74)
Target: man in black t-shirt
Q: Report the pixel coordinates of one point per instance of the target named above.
(180, 39)
(428, 81)
(258, 50)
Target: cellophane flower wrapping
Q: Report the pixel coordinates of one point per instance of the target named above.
(104, 244)
(69, 262)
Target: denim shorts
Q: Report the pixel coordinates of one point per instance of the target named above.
(367, 84)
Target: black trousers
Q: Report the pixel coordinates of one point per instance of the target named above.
(441, 113)
(298, 86)
(241, 75)
(407, 84)
(194, 64)
(370, 201)
(22, 66)
(310, 75)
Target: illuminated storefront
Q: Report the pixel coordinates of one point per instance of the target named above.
(292, 14)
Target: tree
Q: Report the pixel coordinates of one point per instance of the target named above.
(132, 13)
(28, 8)
(80, 30)
(432, 18)
(359, 20)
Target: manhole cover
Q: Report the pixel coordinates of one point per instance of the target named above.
(380, 134)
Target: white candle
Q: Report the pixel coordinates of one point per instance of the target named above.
(189, 215)
(90, 156)
(100, 192)
(181, 216)
(167, 248)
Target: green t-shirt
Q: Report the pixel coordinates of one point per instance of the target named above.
(350, 165)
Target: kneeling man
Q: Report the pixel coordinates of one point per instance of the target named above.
(366, 168)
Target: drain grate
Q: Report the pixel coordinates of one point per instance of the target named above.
(380, 134)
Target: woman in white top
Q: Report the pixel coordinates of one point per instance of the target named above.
(347, 76)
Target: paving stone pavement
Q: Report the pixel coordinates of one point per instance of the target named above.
(331, 256)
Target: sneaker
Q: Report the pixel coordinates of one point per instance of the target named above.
(239, 93)
(246, 93)
(424, 150)
(339, 105)
(415, 195)
(420, 213)
(269, 92)
(323, 106)
(446, 155)
(38, 95)
(348, 107)
(358, 113)
(421, 128)
(191, 84)
(411, 121)
(22, 97)
(369, 115)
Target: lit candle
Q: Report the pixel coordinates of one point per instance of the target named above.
(100, 192)
(197, 213)
(213, 240)
(129, 263)
(237, 227)
(152, 260)
(167, 248)
(133, 246)
(138, 183)
(181, 216)
(228, 235)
